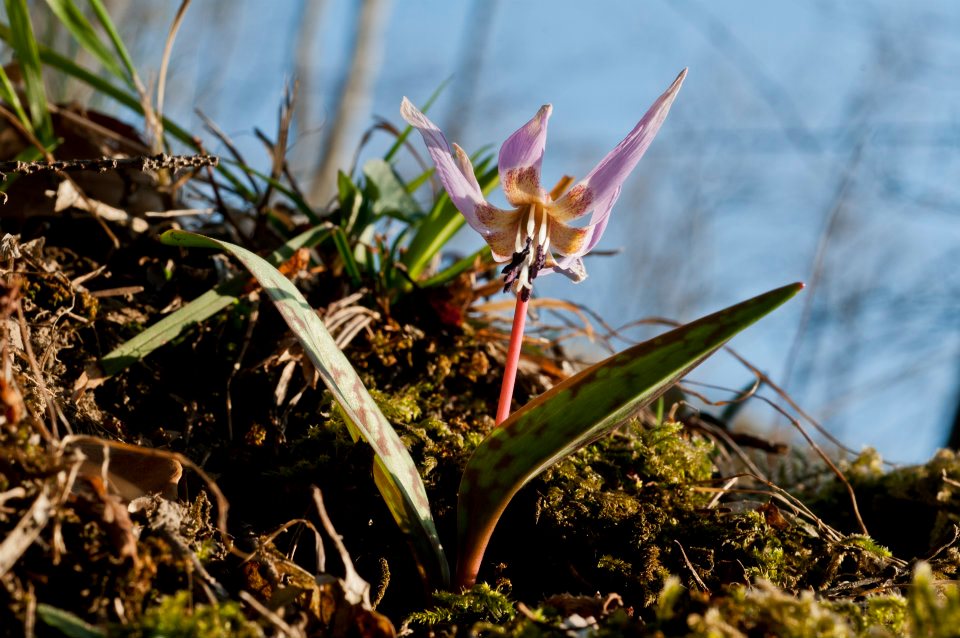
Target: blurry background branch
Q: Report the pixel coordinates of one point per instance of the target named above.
(352, 100)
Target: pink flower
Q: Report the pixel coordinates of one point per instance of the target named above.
(528, 235)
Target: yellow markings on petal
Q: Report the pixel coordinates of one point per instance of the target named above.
(496, 218)
(522, 186)
(502, 243)
(567, 240)
(499, 229)
(576, 203)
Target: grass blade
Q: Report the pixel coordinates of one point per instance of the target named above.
(86, 36)
(100, 85)
(582, 409)
(9, 95)
(394, 471)
(25, 46)
(455, 269)
(342, 243)
(104, 17)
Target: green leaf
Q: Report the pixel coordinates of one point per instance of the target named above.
(351, 202)
(9, 95)
(68, 624)
(582, 409)
(25, 46)
(390, 194)
(86, 36)
(198, 310)
(458, 267)
(394, 471)
(104, 17)
(342, 243)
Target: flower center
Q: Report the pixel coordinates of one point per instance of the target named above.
(532, 244)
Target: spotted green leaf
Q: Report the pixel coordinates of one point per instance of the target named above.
(582, 409)
(394, 471)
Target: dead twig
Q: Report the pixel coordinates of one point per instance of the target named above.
(162, 79)
(693, 570)
(104, 164)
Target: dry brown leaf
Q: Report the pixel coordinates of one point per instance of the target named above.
(130, 470)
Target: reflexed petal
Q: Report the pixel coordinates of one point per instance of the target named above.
(598, 221)
(597, 187)
(568, 240)
(520, 159)
(574, 270)
(499, 229)
(456, 174)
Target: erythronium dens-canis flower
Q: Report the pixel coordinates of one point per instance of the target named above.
(535, 236)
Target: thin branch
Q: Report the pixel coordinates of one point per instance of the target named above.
(104, 164)
(162, 79)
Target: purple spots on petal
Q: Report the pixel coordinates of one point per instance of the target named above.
(487, 214)
(577, 201)
(522, 185)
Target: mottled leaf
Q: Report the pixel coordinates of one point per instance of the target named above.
(394, 471)
(582, 409)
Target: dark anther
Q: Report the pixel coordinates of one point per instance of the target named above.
(539, 261)
(511, 271)
(525, 294)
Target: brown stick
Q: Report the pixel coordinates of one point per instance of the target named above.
(104, 164)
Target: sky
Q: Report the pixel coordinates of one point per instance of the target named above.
(812, 141)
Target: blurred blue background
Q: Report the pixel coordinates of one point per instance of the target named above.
(812, 141)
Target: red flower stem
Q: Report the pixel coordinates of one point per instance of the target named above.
(513, 360)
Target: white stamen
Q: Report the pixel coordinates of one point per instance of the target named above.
(523, 281)
(531, 221)
(542, 237)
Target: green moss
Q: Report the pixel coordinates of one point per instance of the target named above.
(933, 611)
(764, 610)
(867, 543)
(179, 616)
(666, 454)
(480, 603)
(399, 407)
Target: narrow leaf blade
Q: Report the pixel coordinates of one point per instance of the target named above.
(107, 23)
(394, 470)
(582, 409)
(83, 32)
(25, 46)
